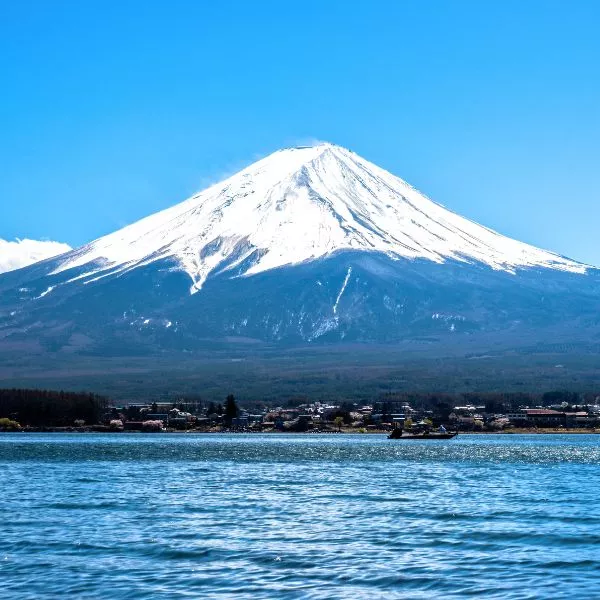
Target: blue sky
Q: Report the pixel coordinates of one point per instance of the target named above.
(110, 111)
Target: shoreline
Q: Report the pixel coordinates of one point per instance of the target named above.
(97, 430)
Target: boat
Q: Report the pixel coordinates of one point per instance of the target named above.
(398, 434)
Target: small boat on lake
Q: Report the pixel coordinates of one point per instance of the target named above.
(399, 434)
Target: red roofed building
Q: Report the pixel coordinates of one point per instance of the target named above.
(542, 417)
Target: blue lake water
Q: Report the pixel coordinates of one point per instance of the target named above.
(298, 516)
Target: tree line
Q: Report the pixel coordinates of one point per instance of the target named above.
(38, 408)
(230, 412)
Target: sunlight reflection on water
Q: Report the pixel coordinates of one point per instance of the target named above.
(298, 516)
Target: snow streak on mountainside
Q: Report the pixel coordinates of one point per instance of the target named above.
(297, 205)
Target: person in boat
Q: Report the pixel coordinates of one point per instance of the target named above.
(442, 429)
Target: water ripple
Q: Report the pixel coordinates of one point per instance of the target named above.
(141, 516)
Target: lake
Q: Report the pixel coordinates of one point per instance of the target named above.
(298, 516)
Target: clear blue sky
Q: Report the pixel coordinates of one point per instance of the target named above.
(110, 111)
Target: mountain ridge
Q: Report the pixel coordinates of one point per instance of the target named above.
(307, 246)
(302, 204)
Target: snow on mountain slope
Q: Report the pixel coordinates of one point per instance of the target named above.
(300, 204)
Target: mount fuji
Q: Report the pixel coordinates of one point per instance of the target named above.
(308, 245)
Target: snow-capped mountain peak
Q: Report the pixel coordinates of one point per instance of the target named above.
(301, 204)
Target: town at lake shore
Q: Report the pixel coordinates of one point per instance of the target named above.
(42, 410)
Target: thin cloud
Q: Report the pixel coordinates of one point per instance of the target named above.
(21, 253)
(307, 141)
